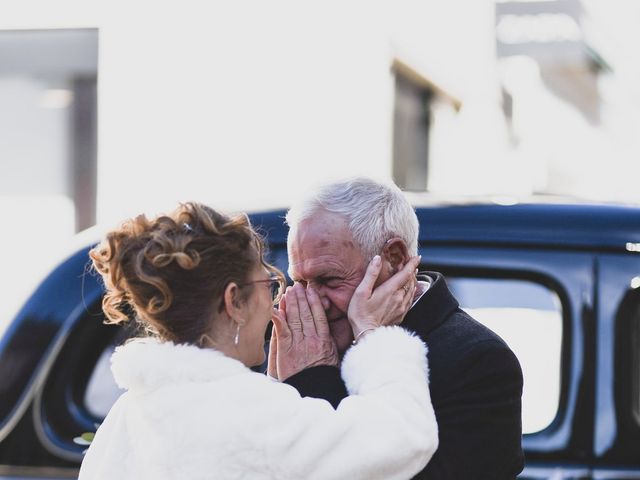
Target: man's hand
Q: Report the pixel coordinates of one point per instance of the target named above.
(301, 337)
(388, 303)
(272, 361)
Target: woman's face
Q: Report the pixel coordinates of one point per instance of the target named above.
(258, 311)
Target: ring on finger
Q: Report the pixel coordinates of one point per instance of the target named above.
(406, 288)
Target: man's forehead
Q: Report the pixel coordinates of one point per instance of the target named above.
(321, 234)
(321, 242)
(322, 230)
(323, 223)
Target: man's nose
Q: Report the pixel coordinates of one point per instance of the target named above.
(326, 304)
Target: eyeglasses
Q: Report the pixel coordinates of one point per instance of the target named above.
(276, 285)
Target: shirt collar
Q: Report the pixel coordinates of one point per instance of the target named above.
(424, 283)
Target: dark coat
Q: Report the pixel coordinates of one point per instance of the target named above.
(476, 390)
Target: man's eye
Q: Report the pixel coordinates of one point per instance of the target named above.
(332, 282)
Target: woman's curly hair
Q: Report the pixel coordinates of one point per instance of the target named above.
(171, 272)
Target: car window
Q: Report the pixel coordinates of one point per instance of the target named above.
(102, 390)
(528, 317)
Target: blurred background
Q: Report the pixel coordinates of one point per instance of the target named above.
(108, 109)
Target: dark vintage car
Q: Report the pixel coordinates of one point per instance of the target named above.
(559, 282)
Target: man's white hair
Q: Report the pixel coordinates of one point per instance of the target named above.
(375, 213)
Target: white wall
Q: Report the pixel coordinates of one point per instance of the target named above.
(244, 104)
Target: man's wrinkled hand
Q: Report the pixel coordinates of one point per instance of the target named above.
(388, 303)
(302, 336)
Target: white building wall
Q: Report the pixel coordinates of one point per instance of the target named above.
(265, 98)
(243, 104)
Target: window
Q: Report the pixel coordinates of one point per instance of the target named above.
(411, 120)
(528, 317)
(102, 390)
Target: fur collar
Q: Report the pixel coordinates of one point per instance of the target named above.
(149, 363)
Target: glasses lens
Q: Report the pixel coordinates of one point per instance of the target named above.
(276, 288)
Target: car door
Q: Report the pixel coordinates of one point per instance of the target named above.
(45, 357)
(617, 426)
(541, 302)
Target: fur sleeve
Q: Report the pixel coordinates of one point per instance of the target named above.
(385, 429)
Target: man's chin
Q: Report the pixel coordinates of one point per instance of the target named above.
(342, 334)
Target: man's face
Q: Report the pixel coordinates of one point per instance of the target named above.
(323, 255)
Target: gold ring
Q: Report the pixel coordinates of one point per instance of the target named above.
(405, 288)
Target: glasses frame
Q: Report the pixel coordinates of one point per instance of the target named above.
(276, 295)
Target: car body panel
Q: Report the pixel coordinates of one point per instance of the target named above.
(585, 254)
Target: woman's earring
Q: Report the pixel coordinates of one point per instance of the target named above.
(236, 339)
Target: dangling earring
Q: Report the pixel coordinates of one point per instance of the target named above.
(236, 339)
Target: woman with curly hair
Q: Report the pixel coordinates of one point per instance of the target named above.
(199, 284)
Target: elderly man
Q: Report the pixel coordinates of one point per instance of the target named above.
(475, 379)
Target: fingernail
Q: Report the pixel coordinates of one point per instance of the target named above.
(376, 260)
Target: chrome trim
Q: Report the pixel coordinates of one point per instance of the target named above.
(11, 472)
(20, 408)
(632, 247)
(554, 473)
(611, 474)
(37, 379)
(562, 473)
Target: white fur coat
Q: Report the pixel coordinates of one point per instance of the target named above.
(193, 413)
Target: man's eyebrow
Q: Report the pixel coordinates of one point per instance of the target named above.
(320, 274)
(327, 276)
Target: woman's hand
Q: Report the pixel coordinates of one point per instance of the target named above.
(388, 303)
(301, 337)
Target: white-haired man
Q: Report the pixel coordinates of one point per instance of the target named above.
(475, 379)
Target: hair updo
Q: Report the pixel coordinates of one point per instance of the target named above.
(172, 271)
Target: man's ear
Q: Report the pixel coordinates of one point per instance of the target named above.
(395, 252)
(232, 302)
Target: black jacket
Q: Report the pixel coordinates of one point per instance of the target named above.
(476, 389)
